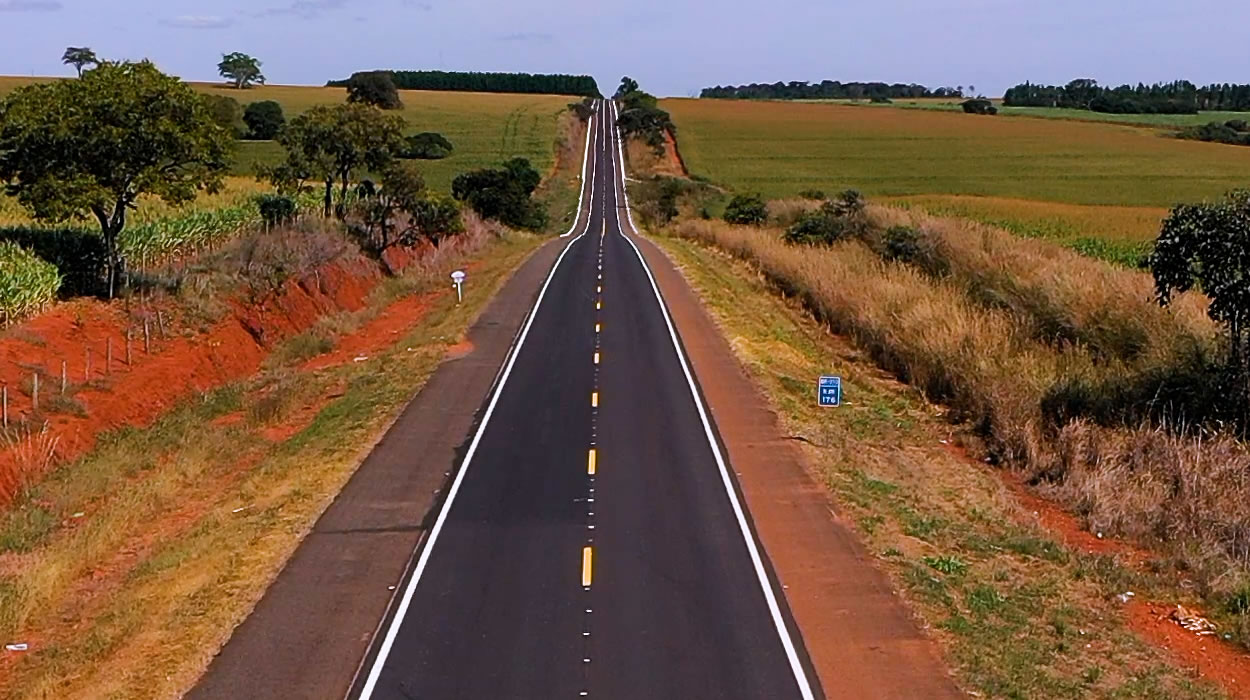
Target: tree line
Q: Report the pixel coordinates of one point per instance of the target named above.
(829, 90)
(466, 81)
(1176, 97)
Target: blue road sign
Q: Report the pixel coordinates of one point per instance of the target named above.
(829, 391)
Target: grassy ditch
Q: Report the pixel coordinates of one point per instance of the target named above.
(126, 569)
(1017, 614)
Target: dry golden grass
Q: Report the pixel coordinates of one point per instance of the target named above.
(1018, 614)
(987, 363)
(236, 189)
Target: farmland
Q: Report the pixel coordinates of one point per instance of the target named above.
(485, 128)
(945, 104)
(1065, 180)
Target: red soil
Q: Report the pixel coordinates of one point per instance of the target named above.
(1210, 657)
(377, 334)
(179, 366)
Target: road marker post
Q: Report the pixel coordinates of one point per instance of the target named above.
(457, 279)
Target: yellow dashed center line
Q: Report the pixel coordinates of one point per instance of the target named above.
(598, 305)
(598, 327)
(587, 557)
(594, 399)
(590, 462)
(596, 358)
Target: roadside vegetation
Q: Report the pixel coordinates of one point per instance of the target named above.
(1018, 612)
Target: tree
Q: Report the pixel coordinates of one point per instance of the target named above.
(264, 120)
(979, 105)
(627, 86)
(78, 57)
(503, 194)
(1208, 246)
(226, 112)
(328, 144)
(747, 209)
(427, 145)
(73, 149)
(403, 212)
(240, 69)
(375, 88)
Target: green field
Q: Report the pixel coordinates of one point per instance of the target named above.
(486, 128)
(943, 104)
(1060, 179)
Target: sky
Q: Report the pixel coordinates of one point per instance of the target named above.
(672, 48)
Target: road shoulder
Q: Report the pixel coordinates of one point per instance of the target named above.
(861, 638)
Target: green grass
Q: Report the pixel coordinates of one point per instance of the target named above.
(782, 148)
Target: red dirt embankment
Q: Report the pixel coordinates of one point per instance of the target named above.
(181, 363)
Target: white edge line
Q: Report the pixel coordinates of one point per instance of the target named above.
(393, 631)
(582, 184)
(796, 666)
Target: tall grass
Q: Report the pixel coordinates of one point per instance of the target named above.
(988, 362)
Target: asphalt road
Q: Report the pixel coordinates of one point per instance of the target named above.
(593, 543)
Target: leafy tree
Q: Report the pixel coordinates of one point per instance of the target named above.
(402, 186)
(74, 149)
(226, 112)
(835, 219)
(1207, 246)
(640, 117)
(503, 194)
(79, 57)
(328, 144)
(627, 86)
(240, 69)
(427, 145)
(584, 109)
(264, 120)
(277, 209)
(747, 209)
(375, 88)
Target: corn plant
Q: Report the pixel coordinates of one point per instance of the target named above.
(27, 283)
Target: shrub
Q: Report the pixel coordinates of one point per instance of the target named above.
(264, 120)
(584, 109)
(27, 283)
(746, 209)
(375, 88)
(503, 194)
(276, 209)
(1217, 132)
(427, 145)
(979, 106)
(226, 113)
(880, 100)
(1237, 125)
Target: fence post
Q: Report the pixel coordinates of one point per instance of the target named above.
(147, 338)
(34, 393)
(4, 404)
(86, 373)
(160, 323)
(64, 376)
(128, 334)
(108, 356)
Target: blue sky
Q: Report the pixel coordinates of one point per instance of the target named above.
(671, 48)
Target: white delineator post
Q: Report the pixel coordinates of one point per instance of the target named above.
(457, 279)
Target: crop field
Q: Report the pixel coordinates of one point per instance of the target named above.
(485, 128)
(946, 104)
(1065, 180)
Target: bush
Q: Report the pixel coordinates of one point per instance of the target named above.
(276, 209)
(584, 109)
(979, 106)
(427, 146)
(264, 120)
(503, 194)
(746, 209)
(1216, 132)
(1237, 125)
(880, 100)
(226, 113)
(833, 221)
(375, 88)
(27, 283)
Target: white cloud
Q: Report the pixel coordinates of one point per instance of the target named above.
(534, 37)
(307, 9)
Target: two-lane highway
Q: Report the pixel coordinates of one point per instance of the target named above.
(592, 543)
